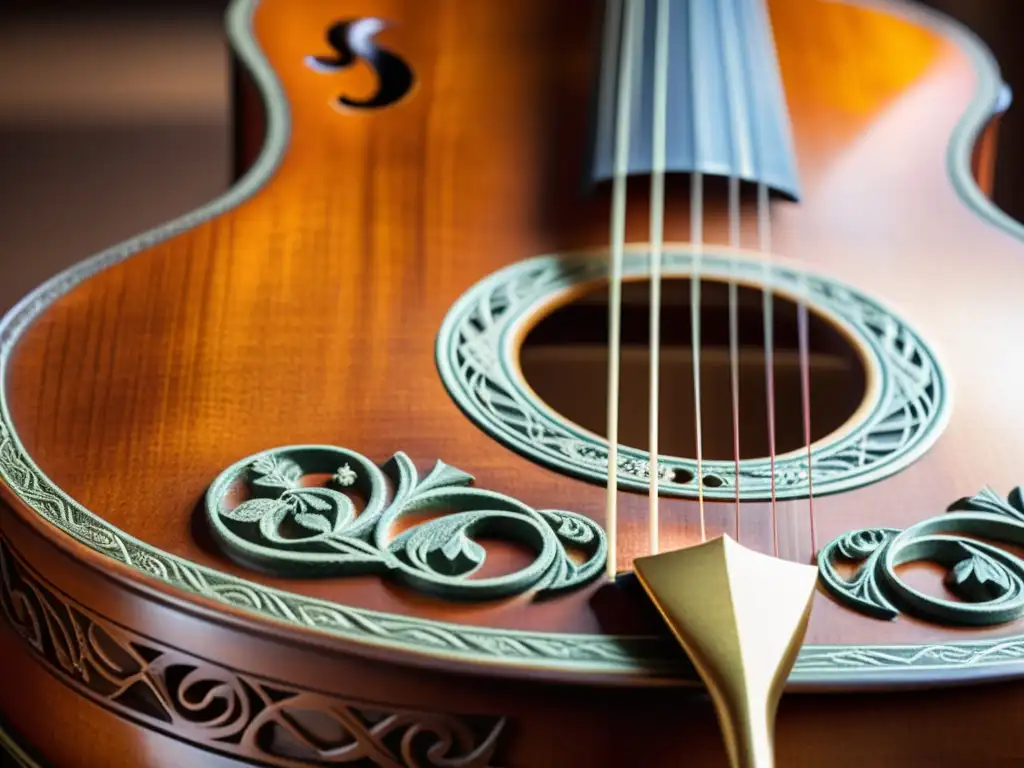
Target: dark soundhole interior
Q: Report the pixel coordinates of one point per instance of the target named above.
(565, 357)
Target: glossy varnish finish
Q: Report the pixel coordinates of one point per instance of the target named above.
(308, 314)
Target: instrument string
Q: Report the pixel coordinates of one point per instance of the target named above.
(632, 11)
(734, 336)
(630, 15)
(805, 397)
(657, 242)
(696, 243)
(697, 248)
(767, 312)
(732, 61)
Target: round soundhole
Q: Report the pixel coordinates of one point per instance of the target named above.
(524, 353)
(564, 360)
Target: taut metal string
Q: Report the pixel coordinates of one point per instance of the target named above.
(633, 13)
(764, 228)
(697, 247)
(734, 334)
(765, 245)
(741, 151)
(628, 15)
(657, 242)
(805, 395)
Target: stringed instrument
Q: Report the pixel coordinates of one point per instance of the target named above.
(562, 384)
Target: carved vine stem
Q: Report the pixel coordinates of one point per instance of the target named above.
(988, 579)
(289, 526)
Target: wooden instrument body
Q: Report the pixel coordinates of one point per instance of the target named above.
(304, 310)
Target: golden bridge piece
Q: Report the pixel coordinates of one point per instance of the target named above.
(741, 616)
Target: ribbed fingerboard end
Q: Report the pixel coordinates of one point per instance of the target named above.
(726, 113)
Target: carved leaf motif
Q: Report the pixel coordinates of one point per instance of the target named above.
(315, 529)
(978, 578)
(442, 546)
(276, 472)
(335, 508)
(459, 554)
(989, 501)
(987, 578)
(444, 476)
(253, 511)
(305, 500)
(313, 522)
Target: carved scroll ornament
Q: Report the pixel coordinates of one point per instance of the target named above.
(987, 578)
(289, 524)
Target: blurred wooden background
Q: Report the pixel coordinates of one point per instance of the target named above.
(114, 118)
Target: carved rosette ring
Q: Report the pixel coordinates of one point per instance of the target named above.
(988, 580)
(477, 358)
(290, 511)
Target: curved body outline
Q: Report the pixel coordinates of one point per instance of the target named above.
(563, 655)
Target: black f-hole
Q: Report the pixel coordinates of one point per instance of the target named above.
(355, 40)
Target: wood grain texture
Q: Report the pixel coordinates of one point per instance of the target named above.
(308, 314)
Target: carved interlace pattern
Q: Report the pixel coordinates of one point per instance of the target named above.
(474, 350)
(222, 709)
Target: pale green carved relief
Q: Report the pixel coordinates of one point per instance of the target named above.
(566, 654)
(987, 579)
(290, 527)
(476, 358)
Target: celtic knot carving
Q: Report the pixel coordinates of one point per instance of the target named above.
(475, 350)
(291, 528)
(222, 709)
(988, 579)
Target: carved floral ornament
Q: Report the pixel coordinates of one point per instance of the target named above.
(291, 523)
(297, 517)
(987, 579)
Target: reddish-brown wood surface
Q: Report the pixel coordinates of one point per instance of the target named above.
(548, 725)
(309, 314)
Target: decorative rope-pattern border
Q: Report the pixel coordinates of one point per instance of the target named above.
(572, 655)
